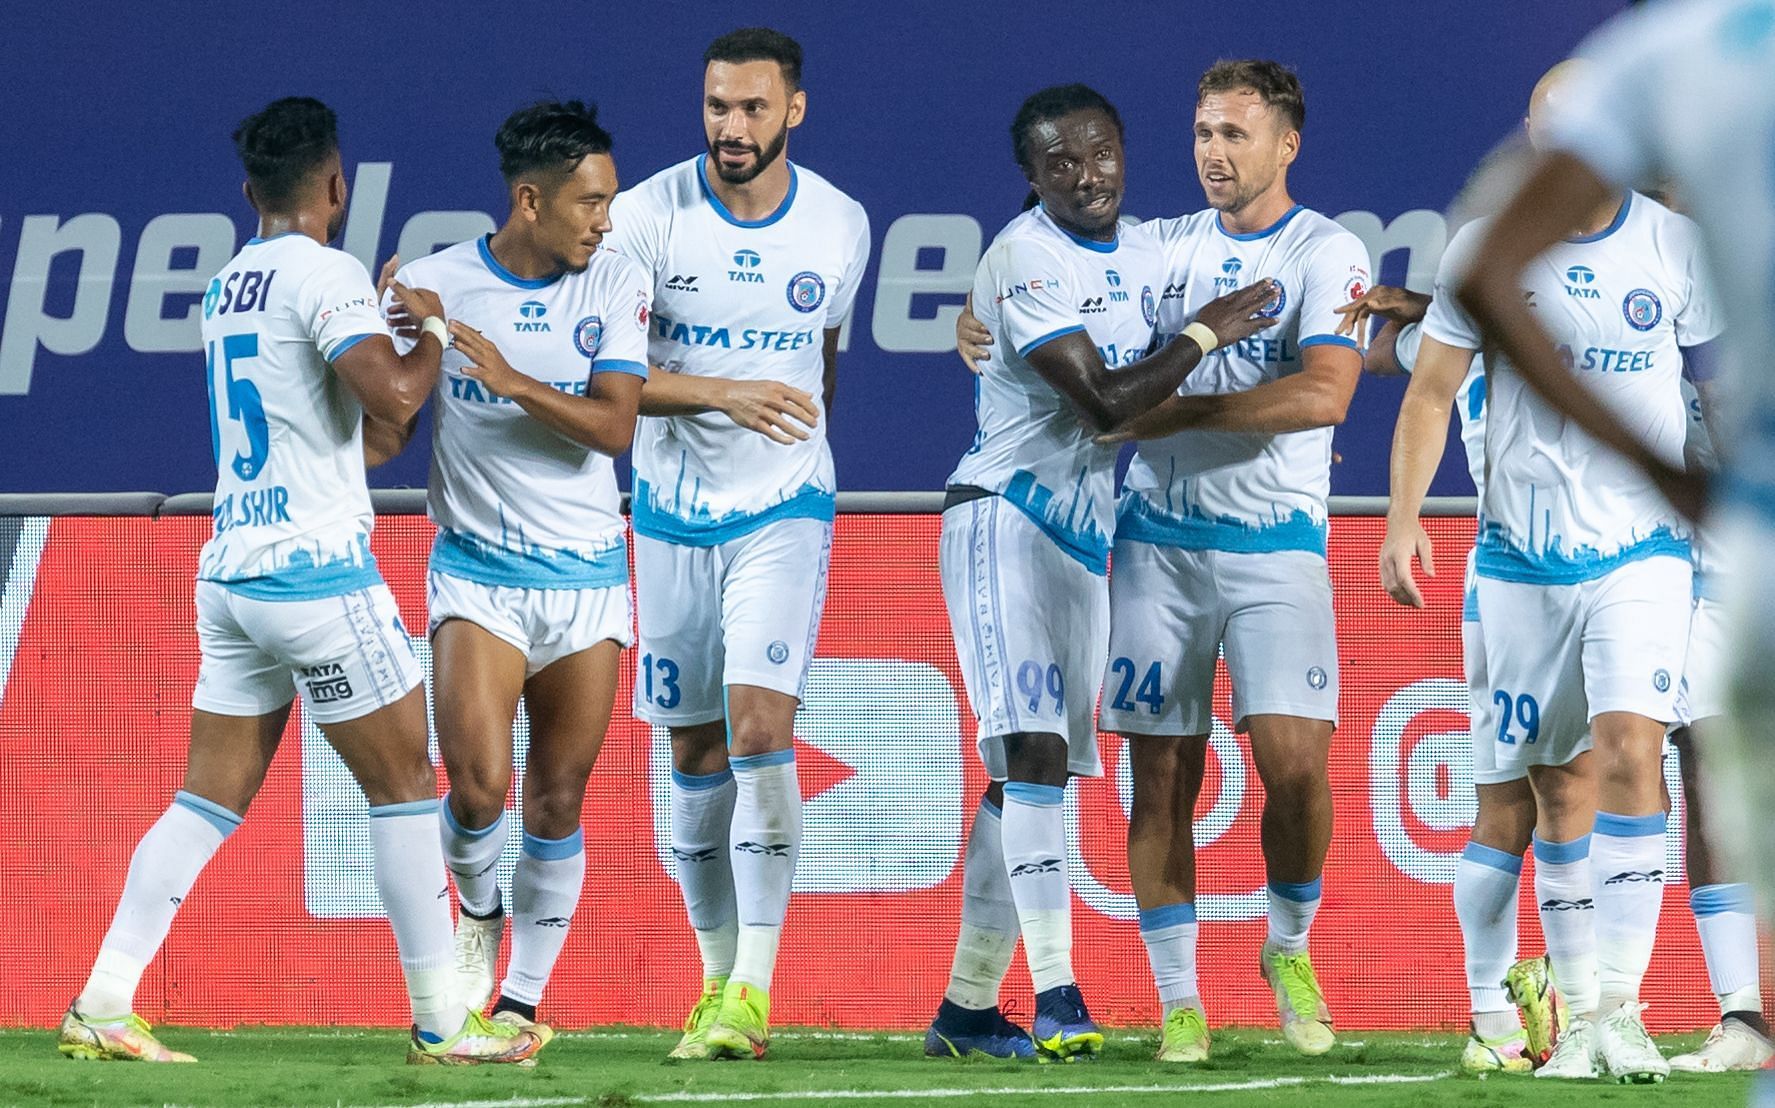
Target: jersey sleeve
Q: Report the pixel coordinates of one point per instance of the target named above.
(337, 305)
(1406, 344)
(627, 310)
(851, 279)
(1028, 286)
(1336, 274)
(637, 231)
(1697, 319)
(1446, 321)
(1605, 119)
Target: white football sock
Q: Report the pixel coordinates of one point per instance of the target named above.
(1170, 937)
(988, 935)
(1627, 865)
(765, 842)
(1034, 832)
(702, 818)
(1725, 915)
(1567, 904)
(1486, 882)
(545, 894)
(472, 855)
(409, 871)
(161, 872)
(1292, 908)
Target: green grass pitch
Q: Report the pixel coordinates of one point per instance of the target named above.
(354, 1067)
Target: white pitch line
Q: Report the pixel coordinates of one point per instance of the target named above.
(950, 1093)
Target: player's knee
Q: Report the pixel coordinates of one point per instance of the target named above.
(753, 733)
(1296, 781)
(478, 791)
(397, 781)
(554, 812)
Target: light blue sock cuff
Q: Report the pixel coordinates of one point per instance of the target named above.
(1301, 892)
(1560, 853)
(1166, 915)
(456, 828)
(212, 813)
(1492, 858)
(751, 762)
(991, 809)
(1629, 827)
(405, 808)
(699, 783)
(553, 850)
(1714, 900)
(1042, 796)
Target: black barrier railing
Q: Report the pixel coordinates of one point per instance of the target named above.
(412, 502)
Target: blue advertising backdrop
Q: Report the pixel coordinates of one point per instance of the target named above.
(120, 193)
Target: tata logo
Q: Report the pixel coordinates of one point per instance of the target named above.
(682, 283)
(1578, 280)
(532, 311)
(1117, 295)
(1229, 278)
(1231, 267)
(745, 271)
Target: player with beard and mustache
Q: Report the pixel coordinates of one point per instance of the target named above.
(755, 263)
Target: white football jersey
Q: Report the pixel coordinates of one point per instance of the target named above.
(1682, 93)
(1469, 402)
(1232, 490)
(292, 512)
(1035, 283)
(1620, 305)
(517, 503)
(745, 300)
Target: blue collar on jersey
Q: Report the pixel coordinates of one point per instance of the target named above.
(1089, 244)
(256, 240)
(702, 178)
(1263, 234)
(507, 275)
(1614, 224)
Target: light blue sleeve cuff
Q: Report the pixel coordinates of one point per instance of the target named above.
(618, 365)
(1023, 351)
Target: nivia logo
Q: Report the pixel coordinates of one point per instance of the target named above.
(1040, 865)
(680, 282)
(532, 311)
(552, 921)
(707, 854)
(745, 271)
(1092, 304)
(1582, 904)
(1173, 292)
(1636, 877)
(1578, 280)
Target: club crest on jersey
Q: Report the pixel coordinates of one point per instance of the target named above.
(1274, 307)
(1661, 680)
(1149, 307)
(745, 271)
(587, 334)
(1356, 287)
(1316, 677)
(1116, 293)
(1643, 309)
(532, 311)
(1578, 280)
(806, 291)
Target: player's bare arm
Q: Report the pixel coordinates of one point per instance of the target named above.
(829, 358)
(603, 419)
(1418, 442)
(1072, 365)
(777, 411)
(1318, 396)
(393, 387)
(1558, 196)
(972, 340)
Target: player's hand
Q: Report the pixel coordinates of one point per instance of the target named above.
(1402, 306)
(400, 320)
(1236, 315)
(411, 307)
(776, 411)
(489, 366)
(972, 340)
(386, 278)
(1401, 545)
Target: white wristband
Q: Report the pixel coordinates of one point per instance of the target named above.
(435, 327)
(1203, 336)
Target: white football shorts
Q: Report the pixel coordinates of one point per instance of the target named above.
(546, 625)
(1031, 623)
(348, 655)
(744, 612)
(1172, 609)
(1557, 656)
